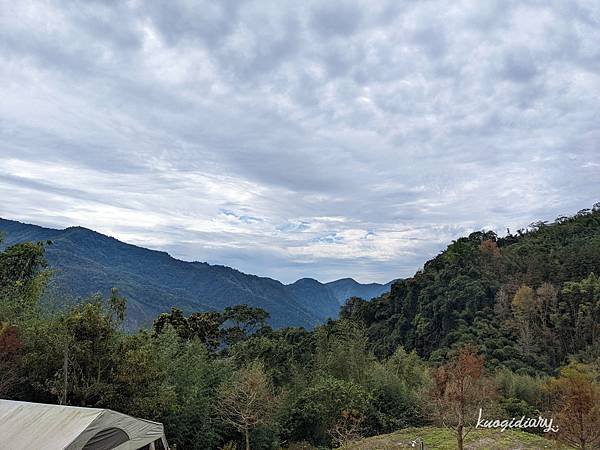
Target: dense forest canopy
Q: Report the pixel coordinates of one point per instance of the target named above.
(514, 321)
(529, 299)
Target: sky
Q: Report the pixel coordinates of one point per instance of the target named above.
(299, 139)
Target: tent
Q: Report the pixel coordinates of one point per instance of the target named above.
(34, 426)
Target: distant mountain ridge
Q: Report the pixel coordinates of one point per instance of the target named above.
(345, 288)
(87, 262)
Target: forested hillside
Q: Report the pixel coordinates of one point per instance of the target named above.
(530, 299)
(86, 262)
(507, 325)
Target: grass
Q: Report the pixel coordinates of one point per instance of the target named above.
(444, 439)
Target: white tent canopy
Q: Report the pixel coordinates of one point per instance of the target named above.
(25, 425)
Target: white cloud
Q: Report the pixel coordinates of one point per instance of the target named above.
(340, 140)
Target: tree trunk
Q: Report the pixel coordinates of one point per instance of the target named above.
(65, 374)
(247, 436)
(459, 437)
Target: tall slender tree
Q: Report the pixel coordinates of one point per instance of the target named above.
(460, 389)
(247, 401)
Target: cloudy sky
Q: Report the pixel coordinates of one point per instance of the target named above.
(290, 139)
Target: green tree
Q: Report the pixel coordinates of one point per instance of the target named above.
(91, 350)
(204, 326)
(525, 310)
(342, 351)
(243, 321)
(318, 409)
(174, 381)
(23, 279)
(580, 308)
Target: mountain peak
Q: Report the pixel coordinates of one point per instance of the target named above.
(153, 281)
(344, 281)
(84, 231)
(306, 280)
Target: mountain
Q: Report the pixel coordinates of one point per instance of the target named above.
(345, 288)
(530, 299)
(86, 262)
(326, 298)
(315, 296)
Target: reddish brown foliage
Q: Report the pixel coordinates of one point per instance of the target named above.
(9, 341)
(10, 357)
(489, 248)
(459, 390)
(577, 406)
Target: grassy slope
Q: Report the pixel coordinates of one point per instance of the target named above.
(443, 439)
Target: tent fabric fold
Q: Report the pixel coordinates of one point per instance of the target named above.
(25, 425)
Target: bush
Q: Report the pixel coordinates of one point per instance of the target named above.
(318, 409)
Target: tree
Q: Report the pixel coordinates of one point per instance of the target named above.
(235, 324)
(247, 400)
(10, 357)
(244, 320)
(459, 391)
(204, 326)
(408, 367)
(88, 339)
(349, 427)
(175, 319)
(164, 378)
(577, 400)
(323, 408)
(580, 305)
(22, 281)
(397, 402)
(525, 311)
(20, 263)
(342, 351)
(287, 354)
(489, 249)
